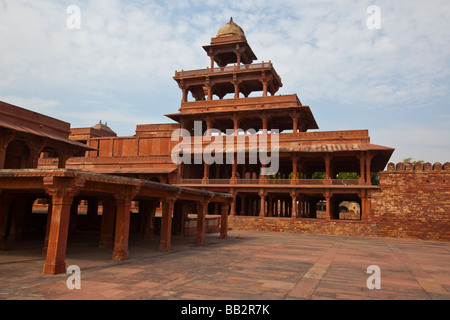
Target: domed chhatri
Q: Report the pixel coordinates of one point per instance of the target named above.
(230, 29)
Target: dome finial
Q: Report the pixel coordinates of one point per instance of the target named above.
(231, 28)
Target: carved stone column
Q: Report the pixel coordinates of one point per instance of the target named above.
(328, 178)
(362, 173)
(262, 207)
(294, 205)
(327, 195)
(166, 223)
(107, 227)
(123, 208)
(369, 157)
(5, 204)
(62, 191)
(149, 211)
(224, 221)
(202, 209)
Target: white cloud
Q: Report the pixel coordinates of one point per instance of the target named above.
(421, 142)
(120, 64)
(35, 104)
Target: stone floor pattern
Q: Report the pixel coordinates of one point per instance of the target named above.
(246, 266)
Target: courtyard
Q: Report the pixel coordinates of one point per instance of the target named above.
(247, 266)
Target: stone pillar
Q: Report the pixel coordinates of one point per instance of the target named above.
(62, 192)
(328, 169)
(73, 215)
(294, 205)
(233, 204)
(270, 206)
(47, 227)
(262, 178)
(236, 120)
(166, 224)
(294, 117)
(300, 212)
(234, 171)
(122, 230)
(262, 207)
(365, 204)
(210, 92)
(367, 215)
(236, 89)
(294, 159)
(369, 157)
(327, 195)
(92, 212)
(205, 173)
(107, 227)
(243, 197)
(5, 204)
(185, 94)
(362, 168)
(18, 208)
(265, 121)
(264, 83)
(209, 123)
(5, 140)
(224, 220)
(212, 60)
(149, 211)
(202, 208)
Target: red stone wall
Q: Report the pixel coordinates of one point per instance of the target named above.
(414, 202)
(307, 226)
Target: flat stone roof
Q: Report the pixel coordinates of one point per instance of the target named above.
(106, 178)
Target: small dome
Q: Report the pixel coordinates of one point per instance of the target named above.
(230, 29)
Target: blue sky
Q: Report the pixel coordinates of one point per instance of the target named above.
(118, 67)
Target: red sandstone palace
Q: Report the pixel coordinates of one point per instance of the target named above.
(237, 98)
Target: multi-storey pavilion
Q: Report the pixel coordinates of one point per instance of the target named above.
(301, 153)
(237, 96)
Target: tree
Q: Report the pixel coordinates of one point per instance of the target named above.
(411, 160)
(348, 175)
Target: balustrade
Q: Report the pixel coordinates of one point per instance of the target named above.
(334, 182)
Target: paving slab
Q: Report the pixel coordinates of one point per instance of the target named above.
(246, 266)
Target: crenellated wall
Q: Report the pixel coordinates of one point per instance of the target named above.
(413, 202)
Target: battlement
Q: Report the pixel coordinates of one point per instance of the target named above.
(418, 167)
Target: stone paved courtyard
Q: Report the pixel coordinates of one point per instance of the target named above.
(247, 266)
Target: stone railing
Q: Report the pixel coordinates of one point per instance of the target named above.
(312, 182)
(199, 72)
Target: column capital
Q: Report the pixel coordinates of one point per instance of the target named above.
(63, 187)
(63, 155)
(328, 157)
(128, 193)
(262, 192)
(327, 193)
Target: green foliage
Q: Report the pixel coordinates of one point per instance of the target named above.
(348, 175)
(318, 175)
(375, 178)
(411, 160)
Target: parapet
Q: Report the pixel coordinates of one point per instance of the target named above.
(418, 167)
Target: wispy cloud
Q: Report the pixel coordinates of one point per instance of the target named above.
(126, 53)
